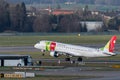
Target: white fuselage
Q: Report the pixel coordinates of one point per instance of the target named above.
(74, 50)
(79, 50)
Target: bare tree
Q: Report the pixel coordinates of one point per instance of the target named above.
(42, 24)
(22, 16)
(69, 23)
(14, 18)
(18, 17)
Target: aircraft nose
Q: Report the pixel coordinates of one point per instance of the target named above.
(36, 46)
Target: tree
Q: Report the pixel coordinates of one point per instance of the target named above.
(4, 16)
(69, 23)
(28, 27)
(14, 17)
(42, 24)
(18, 17)
(58, 6)
(22, 16)
(86, 10)
(112, 24)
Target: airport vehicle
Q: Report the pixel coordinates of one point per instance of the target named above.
(15, 60)
(56, 49)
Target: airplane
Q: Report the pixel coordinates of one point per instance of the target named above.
(56, 49)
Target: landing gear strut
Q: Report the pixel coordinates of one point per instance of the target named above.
(67, 59)
(43, 54)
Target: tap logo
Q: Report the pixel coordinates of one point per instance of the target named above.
(50, 46)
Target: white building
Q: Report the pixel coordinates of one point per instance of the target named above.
(92, 25)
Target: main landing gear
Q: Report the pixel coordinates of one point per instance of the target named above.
(79, 59)
(67, 59)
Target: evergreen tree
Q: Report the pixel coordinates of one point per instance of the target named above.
(22, 16)
(4, 16)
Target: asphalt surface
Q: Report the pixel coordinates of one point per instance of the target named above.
(103, 75)
(31, 48)
(78, 71)
(81, 71)
(18, 49)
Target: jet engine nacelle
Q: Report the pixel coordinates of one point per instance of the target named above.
(54, 54)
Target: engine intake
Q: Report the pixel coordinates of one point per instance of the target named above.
(54, 54)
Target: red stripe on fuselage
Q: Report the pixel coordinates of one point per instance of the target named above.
(52, 46)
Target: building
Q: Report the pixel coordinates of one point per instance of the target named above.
(62, 12)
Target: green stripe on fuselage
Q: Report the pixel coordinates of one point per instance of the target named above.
(48, 46)
(102, 49)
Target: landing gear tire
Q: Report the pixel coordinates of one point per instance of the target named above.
(67, 59)
(73, 62)
(19, 65)
(79, 59)
(43, 54)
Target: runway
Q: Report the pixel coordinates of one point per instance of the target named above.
(77, 71)
(18, 49)
(31, 48)
(103, 75)
(80, 71)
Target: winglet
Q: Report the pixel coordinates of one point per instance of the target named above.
(109, 47)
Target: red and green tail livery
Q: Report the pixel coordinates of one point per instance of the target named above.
(109, 47)
(112, 43)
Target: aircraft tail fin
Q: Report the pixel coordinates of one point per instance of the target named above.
(109, 47)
